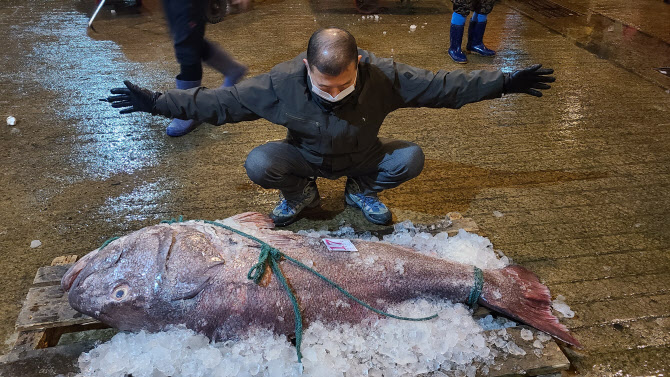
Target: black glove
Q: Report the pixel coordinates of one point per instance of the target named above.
(527, 80)
(133, 98)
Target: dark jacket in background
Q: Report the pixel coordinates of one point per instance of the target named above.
(283, 96)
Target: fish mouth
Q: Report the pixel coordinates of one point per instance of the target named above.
(71, 275)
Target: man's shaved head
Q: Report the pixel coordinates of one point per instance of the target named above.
(331, 51)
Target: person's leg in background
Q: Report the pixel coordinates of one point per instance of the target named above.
(461, 11)
(478, 27)
(217, 58)
(186, 19)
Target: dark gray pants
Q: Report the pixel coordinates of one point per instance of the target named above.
(280, 165)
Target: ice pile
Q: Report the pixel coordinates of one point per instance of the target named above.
(464, 247)
(182, 352)
(454, 343)
(468, 248)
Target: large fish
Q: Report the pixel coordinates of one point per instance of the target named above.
(195, 274)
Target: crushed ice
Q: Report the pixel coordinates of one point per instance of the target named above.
(455, 343)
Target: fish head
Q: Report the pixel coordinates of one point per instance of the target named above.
(120, 284)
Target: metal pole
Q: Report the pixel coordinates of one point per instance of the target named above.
(90, 22)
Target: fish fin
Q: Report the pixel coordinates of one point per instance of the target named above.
(280, 239)
(192, 292)
(256, 219)
(525, 299)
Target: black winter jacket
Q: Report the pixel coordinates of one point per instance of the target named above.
(283, 96)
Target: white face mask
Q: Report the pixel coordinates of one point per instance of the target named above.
(340, 96)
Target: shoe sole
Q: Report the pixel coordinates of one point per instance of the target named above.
(456, 61)
(477, 53)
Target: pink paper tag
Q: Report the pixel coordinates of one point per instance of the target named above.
(334, 244)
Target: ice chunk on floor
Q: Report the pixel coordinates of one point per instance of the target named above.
(35, 243)
(412, 27)
(560, 306)
(526, 334)
(11, 121)
(543, 337)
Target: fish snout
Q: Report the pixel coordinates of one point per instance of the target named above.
(74, 271)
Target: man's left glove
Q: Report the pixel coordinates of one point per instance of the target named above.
(133, 98)
(528, 80)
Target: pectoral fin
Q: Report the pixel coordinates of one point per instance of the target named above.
(190, 291)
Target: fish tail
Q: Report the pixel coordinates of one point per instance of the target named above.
(518, 293)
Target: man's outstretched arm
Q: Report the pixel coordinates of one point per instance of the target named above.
(419, 87)
(251, 99)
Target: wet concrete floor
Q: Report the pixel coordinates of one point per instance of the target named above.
(581, 176)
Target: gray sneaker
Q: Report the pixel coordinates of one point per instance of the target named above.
(288, 209)
(373, 209)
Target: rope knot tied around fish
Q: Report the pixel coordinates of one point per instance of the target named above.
(270, 257)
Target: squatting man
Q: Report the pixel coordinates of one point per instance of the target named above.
(332, 99)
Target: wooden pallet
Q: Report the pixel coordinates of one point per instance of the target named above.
(46, 316)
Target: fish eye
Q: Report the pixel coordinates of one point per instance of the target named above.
(120, 292)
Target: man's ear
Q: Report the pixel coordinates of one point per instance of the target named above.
(307, 64)
(359, 59)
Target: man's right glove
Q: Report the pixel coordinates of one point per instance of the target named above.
(133, 98)
(528, 80)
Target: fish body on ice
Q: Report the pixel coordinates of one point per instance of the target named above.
(195, 274)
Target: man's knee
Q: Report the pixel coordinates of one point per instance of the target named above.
(406, 162)
(415, 160)
(258, 163)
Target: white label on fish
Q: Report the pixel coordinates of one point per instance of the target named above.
(334, 244)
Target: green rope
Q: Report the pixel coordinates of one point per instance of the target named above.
(476, 290)
(180, 219)
(107, 242)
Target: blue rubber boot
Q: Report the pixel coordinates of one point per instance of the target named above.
(456, 39)
(179, 127)
(221, 61)
(476, 39)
